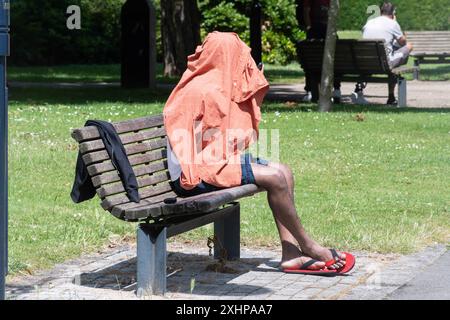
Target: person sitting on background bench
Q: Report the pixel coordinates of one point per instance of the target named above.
(211, 118)
(398, 49)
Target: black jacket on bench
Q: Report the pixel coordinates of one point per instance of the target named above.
(83, 189)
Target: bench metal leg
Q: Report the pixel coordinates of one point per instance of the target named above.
(417, 71)
(401, 82)
(151, 260)
(227, 231)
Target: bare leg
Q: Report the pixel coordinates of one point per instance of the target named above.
(289, 244)
(280, 197)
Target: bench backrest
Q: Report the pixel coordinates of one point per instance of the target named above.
(145, 143)
(353, 57)
(430, 42)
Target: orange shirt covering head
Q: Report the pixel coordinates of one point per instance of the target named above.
(213, 113)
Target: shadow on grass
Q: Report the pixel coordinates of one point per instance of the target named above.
(275, 73)
(93, 73)
(86, 95)
(281, 106)
(274, 103)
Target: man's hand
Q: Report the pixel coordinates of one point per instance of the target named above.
(402, 41)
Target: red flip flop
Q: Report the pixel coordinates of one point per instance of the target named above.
(349, 262)
(303, 269)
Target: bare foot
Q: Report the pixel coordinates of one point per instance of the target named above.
(320, 253)
(296, 263)
(293, 258)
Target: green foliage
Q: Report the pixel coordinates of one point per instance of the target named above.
(280, 29)
(39, 34)
(412, 15)
(277, 48)
(225, 17)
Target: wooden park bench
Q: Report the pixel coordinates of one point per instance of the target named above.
(355, 61)
(145, 143)
(432, 47)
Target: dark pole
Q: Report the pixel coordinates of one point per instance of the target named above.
(138, 44)
(255, 32)
(4, 52)
(326, 85)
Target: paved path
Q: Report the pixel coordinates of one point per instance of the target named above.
(421, 94)
(432, 284)
(111, 275)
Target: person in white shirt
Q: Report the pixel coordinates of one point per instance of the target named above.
(397, 47)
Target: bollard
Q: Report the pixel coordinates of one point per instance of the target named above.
(255, 32)
(4, 52)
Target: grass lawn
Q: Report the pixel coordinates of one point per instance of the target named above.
(75, 73)
(379, 185)
(290, 73)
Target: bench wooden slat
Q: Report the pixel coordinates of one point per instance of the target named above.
(144, 181)
(432, 47)
(97, 156)
(89, 133)
(146, 146)
(153, 204)
(202, 203)
(113, 176)
(430, 54)
(128, 138)
(138, 159)
(146, 192)
(430, 44)
(352, 56)
(141, 136)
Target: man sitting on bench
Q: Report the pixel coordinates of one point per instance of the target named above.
(397, 48)
(211, 118)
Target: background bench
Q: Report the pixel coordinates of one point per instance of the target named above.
(145, 143)
(355, 61)
(429, 47)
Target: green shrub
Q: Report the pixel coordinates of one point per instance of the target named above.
(280, 29)
(39, 35)
(224, 17)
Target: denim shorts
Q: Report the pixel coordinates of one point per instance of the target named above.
(203, 187)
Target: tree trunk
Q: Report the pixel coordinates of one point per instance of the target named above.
(326, 85)
(180, 29)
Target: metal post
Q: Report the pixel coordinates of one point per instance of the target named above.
(255, 32)
(401, 83)
(4, 52)
(151, 261)
(227, 231)
(417, 70)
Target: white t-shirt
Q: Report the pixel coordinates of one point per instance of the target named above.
(385, 28)
(173, 164)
